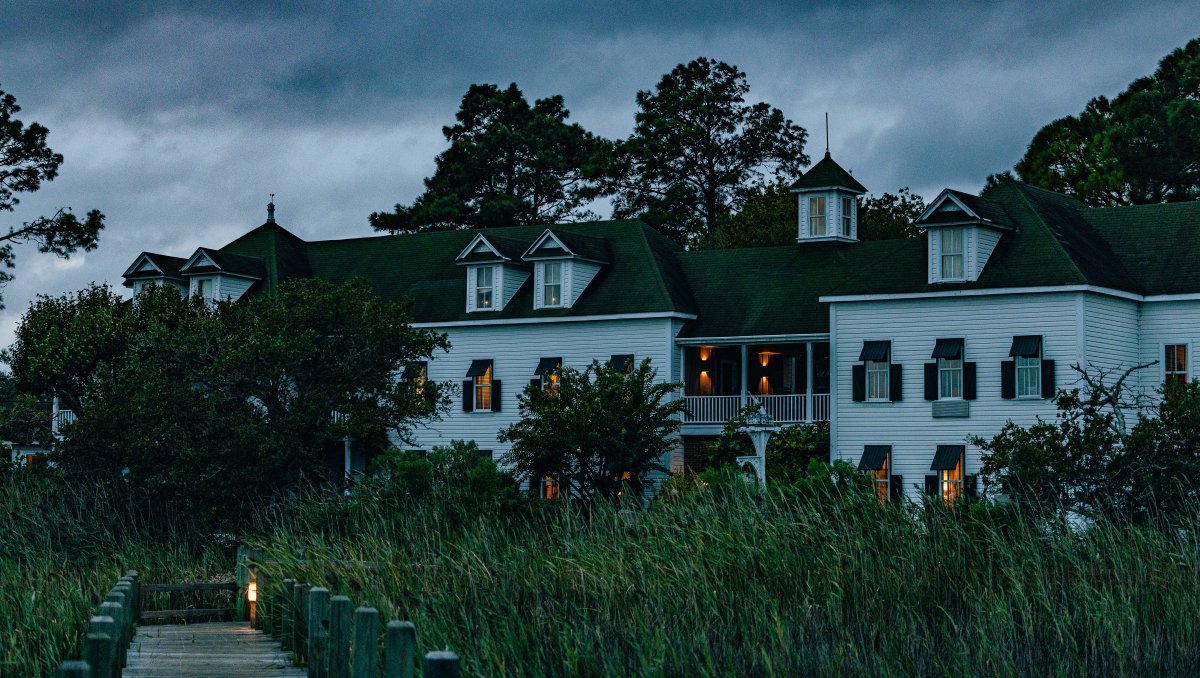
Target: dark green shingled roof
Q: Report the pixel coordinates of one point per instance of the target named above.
(1159, 245)
(227, 262)
(827, 173)
(642, 277)
(284, 255)
(986, 209)
(584, 246)
(168, 265)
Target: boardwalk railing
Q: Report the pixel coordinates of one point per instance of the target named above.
(109, 633)
(329, 635)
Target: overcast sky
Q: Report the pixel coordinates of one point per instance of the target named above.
(178, 118)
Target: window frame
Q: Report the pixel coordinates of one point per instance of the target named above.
(1031, 365)
(961, 254)
(1186, 372)
(948, 479)
(561, 268)
(549, 487)
(877, 367)
(482, 385)
(881, 479)
(945, 368)
(490, 289)
(211, 281)
(814, 216)
(847, 216)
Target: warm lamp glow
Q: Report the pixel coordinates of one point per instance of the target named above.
(705, 353)
(765, 356)
(252, 592)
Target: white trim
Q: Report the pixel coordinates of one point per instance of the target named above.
(572, 319)
(475, 241)
(809, 189)
(986, 292)
(1193, 296)
(752, 339)
(1189, 373)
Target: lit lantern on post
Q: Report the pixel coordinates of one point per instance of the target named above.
(252, 598)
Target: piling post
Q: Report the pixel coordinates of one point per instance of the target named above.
(399, 649)
(366, 637)
(300, 624)
(74, 669)
(112, 612)
(98, 646)
(120, 615)
(136, 607)
(441, 665)
(318, 632)
(283, 630)
(339, 637)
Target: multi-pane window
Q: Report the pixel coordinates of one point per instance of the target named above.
(483, 390)
(951, 482)
(552, 283)
(1029, 376)
(483, 287)
(880, 480)
(204, 287)
(877, 379)
(816, 216)
(550, 487)
(847, 213)
(952, 254)
(950, 377)
(1175, 363)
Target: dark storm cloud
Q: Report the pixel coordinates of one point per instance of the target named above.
(176, 118)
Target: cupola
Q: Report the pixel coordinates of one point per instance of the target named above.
(828, 199)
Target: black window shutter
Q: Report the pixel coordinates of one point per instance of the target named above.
(536, 383)
(969, 486)
(1008, 379)
(931, 381)
(858, 383)
(931, 485)
(896, 489)
(469, 395)
(495, 395)
(968, 381)
(1048, 379)
(896, 383)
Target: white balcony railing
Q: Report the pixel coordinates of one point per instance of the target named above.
(785, 409)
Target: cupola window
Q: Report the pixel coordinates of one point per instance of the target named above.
(847, 216)
(816, 216)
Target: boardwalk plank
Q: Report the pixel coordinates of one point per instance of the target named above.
(211, 650)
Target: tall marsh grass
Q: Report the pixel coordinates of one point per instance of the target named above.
(781, 584)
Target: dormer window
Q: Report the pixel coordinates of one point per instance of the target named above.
(952, 254)
(816, 216)
(484, 277)
(552, 277)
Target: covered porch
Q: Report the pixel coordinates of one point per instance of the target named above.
(790, 379)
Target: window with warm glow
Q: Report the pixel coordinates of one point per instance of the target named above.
(950, 378)
(550, 382)
(951, 482)
(816, 216)
(881, 480)
(1175, 363)
(847, 214)
(552, 272)
(952, 254)
(550, 487)
(483, 390)
(483, 287)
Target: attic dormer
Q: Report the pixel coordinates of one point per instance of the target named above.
(828, 197)
(564, 264)
(221, 276)
(962, 231)
(494, 272)
(154, 269)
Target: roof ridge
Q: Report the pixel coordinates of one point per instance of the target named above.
(658, 272)
(1053, 236)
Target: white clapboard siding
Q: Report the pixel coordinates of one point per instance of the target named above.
(511, 279)
(1110, 330)
(987, 324)
(985, 241)
(230, 288)
(581, 275)
(1168, 322)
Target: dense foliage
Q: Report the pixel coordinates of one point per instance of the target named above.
(1141, 147)
(509, 163)
(25, 162)
(599, 432)
(213, 407)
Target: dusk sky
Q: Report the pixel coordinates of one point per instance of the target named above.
(178, 118)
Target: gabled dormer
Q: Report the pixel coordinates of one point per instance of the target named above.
(962, 231)
(828, 198)
(494, 272)
(221, 276)
(155, 269)
(564, 264)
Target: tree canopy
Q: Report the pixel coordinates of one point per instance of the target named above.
(509, 163)
(698, 151)
(890, 215)
(1141, 147)
(25, 162)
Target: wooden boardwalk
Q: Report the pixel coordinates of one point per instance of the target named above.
(213, 650)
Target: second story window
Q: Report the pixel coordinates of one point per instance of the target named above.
(1029, 373)
(816, 216)
(949, 356)
(952, 254)
(1175, 363)
(847, 214)
(204, 288)
(552, 277)
(484, 277)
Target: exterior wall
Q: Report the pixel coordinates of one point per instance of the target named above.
(1110, 332)
(511, 279)
(516, 350)
(579, 275)
(229, 288)
(986, 240)
(987, 324)
(1167, 322)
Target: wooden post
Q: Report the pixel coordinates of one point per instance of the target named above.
(241, 611)
(127, 628)
(300, 623)
(120, 616)
(318, 632)
(283, 630)
(136, 607)
(366, 637)
(97, 652)
(399, 649)
(266, 603)
(441, 665)
(74, 669)
(339, 637)
(112, 611)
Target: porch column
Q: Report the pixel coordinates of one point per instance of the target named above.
(745, 389)
(346, 456)
(808, 387)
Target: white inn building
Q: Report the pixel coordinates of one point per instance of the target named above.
(909, 348)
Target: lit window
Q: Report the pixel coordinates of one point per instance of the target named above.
(877, 379)
(548, 372)
(816, 216)
(847, 212)
(483, 287)
(951, 482)
(416, 374)
(1175, 363)
(876, 464)
(950, 377)
(483, 390)
(550, 487)
(952, 254)
(552, 283)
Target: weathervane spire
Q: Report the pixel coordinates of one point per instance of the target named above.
(826, 132)
(271, 210)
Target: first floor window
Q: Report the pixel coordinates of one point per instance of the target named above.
(877, 379)
(876, 463)
(548, 372)
(483, 390)
(550, 486)
(952, 254)
(816, 216)
(483, 287)
(847, 214)
(1175, 363)
(552, 283)
(948, 462)
(417, 374)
